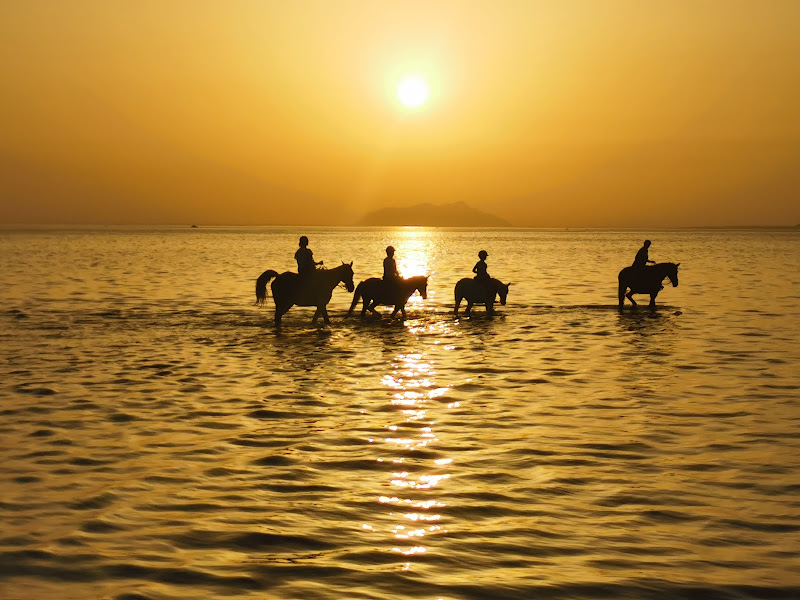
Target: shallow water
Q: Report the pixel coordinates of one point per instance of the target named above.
(159, 439)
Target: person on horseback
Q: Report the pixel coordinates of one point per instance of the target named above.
(642, 258)
(390, 273)
(479, 269)
(481, 273)
(305, 258)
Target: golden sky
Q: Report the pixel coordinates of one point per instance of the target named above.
(549, 114)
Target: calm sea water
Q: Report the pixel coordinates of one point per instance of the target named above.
(160, 440)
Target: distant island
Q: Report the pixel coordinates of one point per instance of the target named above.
(456, 214)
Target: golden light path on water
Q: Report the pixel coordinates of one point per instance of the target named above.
(411, 386)
(415, 247)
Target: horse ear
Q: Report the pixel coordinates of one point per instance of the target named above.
(351, 263)
(678, 265)
(509, 283)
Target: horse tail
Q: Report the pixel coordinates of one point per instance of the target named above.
(356, 297)
(623, 286)
(261, 285)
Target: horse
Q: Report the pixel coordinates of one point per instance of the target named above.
(315, 289)
(646, 280)
(374, 291)
(478, 292)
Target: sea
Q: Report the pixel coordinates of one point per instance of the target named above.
(160, 439)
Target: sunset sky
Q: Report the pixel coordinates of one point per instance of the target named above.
(547, 114)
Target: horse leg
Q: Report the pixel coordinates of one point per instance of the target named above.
(622, 289)
(469, 307)
(325, 316)
(280, 310)
(315, 317)
(403, 312)
(458, 303)
(653, 299)
(629, 296)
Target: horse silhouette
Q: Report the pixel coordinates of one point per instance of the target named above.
(646, 280)
(374, 292)
(477, 292)
(316, 289)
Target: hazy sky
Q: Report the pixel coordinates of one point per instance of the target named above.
(550, 114)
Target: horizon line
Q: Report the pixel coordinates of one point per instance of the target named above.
(356, 226)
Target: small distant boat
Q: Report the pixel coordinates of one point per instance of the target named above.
(194, 227)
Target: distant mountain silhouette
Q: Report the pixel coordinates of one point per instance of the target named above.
(457, 214)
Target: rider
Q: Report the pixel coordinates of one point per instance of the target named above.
(642, 259)
(390, 273)
(480, 268)
(305, 258)
(481, 274)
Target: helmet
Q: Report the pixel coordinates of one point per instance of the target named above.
(483, 254)
(647, 242)
(303, 240)
(389, 249)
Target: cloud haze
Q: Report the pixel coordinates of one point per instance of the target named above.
(545, 114)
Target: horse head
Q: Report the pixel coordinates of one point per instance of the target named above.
(347, 278)
(423, 287)
(672, 273)
(502, 291)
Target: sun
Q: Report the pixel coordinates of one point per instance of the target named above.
(413, 91)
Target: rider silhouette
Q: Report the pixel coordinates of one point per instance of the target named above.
(390, 273)
(481, 273)
(480, 268)
(305, 258)
(642, 259)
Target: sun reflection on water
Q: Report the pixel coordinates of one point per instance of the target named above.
(412, 386)
(415, 251)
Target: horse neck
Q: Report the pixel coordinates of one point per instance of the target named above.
(414, 283)
(663, 268)
(333, 276)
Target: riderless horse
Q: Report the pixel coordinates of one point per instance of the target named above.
(314, 289)
(646, 280)
(479, 292)
(374, 292)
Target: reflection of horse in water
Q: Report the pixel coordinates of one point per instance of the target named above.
(374, 291)
(477, 292)
(646, 280)
(315, 289)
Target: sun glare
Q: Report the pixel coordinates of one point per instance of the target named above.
(413, 92)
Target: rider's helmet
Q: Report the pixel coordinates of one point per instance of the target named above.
(483, 254)
(389, 250)
(647, 242)
(303, 240)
